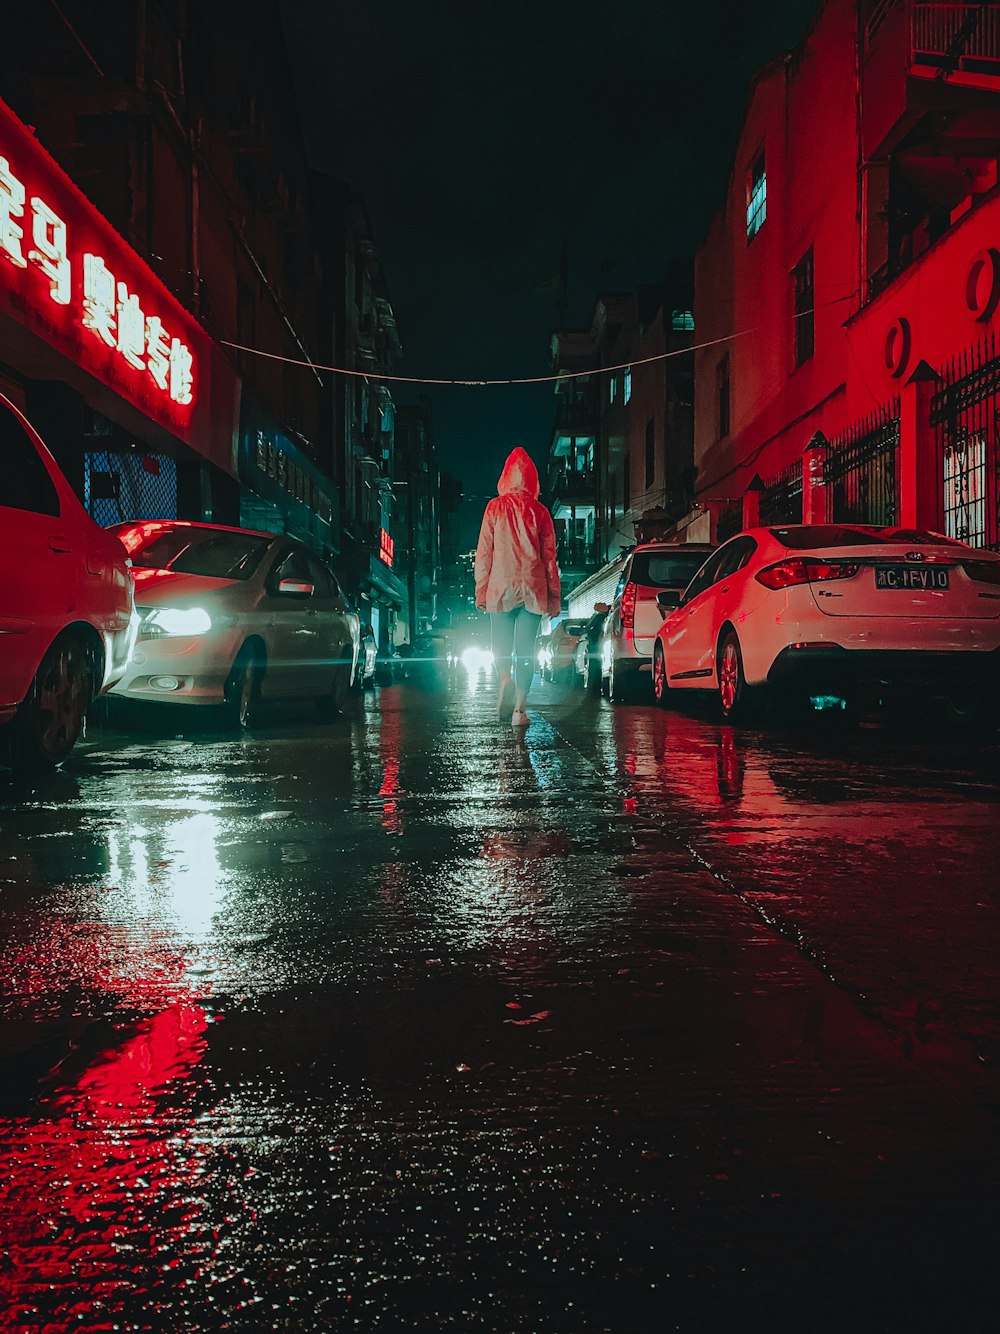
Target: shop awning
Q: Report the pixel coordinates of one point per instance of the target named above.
(382, 584)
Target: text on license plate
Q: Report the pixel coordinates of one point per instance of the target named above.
(910, 577)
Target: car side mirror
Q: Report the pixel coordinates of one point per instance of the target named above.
(601, 607)
(668, 600)
(295, 588)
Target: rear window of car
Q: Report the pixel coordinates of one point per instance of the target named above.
(666, 569)
(205, 551)
(812, 536)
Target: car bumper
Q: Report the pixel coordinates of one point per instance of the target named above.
(829, 667)
(178, 669)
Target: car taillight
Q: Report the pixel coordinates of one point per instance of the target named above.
(983, 571)
(628, 607)
(800, 571)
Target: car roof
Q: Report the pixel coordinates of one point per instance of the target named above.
(673, 546)
(153, 524)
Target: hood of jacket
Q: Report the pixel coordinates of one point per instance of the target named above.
(519, 474)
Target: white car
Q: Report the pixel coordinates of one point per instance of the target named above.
(229, 616)
(653, 577)
(814, 609)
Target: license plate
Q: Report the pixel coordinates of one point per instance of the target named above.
(910, 577)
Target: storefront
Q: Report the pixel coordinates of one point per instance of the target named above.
(281, 490)
(129, 392)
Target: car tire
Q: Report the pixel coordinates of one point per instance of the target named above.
(661, 686)
(335, 702)
(966, 704)
(734, 693)
(242, 691)
(50, 718)
(591, 675)
(620, 686)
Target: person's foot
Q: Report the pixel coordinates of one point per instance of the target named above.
(519, 718)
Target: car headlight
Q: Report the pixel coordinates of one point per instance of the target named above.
(175, 621)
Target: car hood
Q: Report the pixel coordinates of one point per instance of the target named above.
(154, 588)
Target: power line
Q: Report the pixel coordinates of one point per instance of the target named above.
(531, 379)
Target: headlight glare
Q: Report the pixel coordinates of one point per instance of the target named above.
(177, 621)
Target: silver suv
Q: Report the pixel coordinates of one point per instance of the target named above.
(654, 576)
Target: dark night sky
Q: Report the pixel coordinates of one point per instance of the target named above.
(479, 134)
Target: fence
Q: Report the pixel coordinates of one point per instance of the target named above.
(730, 519)
(781, 498)
(862, 470)
(965, 413)
(118, 486)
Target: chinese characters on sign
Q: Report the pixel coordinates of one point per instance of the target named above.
(385, 547)
(33, 235)
(273, 462)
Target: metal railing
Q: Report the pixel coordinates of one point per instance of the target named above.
(781, 498)
(952, 35)
(966, 414)
(730, 519)
(862, 469)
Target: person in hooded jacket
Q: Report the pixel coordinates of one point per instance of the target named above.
(517, 579)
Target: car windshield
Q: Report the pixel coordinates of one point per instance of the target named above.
(666, 569)
(809, 536)
(207, 551)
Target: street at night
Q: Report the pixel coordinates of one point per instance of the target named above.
(626, 1021)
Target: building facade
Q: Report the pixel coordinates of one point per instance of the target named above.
(846, 293)
(174, 281)
(621, 451)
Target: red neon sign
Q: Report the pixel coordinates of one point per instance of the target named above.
(70, 280)
(386, 546)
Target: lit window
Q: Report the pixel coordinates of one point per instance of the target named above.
(682, 321)
(756, 198)
(612, 388)
(627, 390)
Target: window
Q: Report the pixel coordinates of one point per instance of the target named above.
(612, 388)
(722, 396)
(805, 300)
(627, 391)
(27, 484)
(650, 451)
(682, 321)
(756, 197)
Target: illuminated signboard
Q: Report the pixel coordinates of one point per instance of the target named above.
(385, 547)
(69, 279)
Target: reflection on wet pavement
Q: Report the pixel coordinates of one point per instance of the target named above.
(628, 1022)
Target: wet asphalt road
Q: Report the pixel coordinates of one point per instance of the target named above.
(410, 1022)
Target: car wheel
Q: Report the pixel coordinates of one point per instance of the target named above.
(661, 686)
(618, 684)
(335, 702)
(242, 693)
(966, 703)
(733, 690)
(50, 718)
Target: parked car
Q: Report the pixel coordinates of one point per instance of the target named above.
(588, 649)
(67, 619)
(229, 616)
(557, 655)
(652, 580)
(367, 658)
(816, 609)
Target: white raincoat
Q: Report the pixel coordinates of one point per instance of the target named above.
(516, 555)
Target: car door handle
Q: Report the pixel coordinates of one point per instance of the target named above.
(61, 544)
(724, 589)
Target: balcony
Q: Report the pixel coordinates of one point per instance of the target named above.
(569, 491)
(962, 40)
